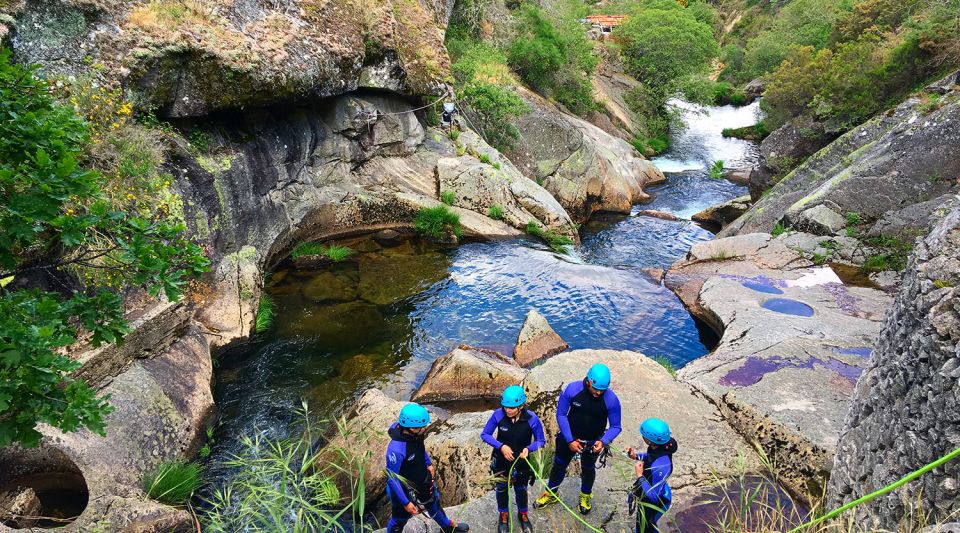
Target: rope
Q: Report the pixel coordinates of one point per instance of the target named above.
(875, 494)
(435, 102)
(554, 494)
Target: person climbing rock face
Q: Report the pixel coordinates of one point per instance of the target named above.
(650, 492)
(583, 412)
(518, 433)
(410, 485)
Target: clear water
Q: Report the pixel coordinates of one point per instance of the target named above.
(382, 318)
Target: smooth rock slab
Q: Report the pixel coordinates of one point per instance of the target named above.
(468, 374)
(790, 351)
(537, 340)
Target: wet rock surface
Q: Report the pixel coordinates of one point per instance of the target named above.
(537, 340)
(468, 374)
(719, 216)
(906, 411)
(794, 340)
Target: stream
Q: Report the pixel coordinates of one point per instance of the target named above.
(381, 318)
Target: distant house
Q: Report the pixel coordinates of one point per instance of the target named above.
(604, 23)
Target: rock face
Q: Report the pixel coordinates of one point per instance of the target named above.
(781, 151)
(537, 340)
(793, 342)
(585, 168)
(221, 54)
(906, 412)
(162, 404)
(893, 171)
(468, 374)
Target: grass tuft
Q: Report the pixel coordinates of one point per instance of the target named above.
(484, 158)
(558, 242)
(495, 212)
(778, 229)
(448, 197)
(434, 221)
(665, 363)
(333, 252)
(338, 253)
(172, 482)
(265, 313)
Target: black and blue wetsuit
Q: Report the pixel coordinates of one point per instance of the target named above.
(581, 416)
(524, 432)
(408, 478)
(651, 489)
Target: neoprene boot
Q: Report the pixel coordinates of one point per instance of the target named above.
(503, 524)
(456, 528)
(525, 525)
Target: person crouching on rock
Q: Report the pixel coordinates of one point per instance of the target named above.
(651, 491)
(519, 433)
(410, 473)
(583, 411)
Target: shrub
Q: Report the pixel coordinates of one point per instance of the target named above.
(449, 197)
(172, 482)
(265, 313)
(495, 212)
(755, 133)
(493, 106)
(435, 221)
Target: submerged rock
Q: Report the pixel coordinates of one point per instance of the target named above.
(468, 373)
(537, 340)
(662, 215)
(329, 286)
(387, 279)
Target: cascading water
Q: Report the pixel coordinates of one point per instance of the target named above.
(381, 319)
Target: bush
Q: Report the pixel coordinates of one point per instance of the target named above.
(265, 312)
(448, 197)
(552, 59)
(172, 483)
(716, 170)
(436, 221)
(493, 107)
(756, 133)
(495, 212)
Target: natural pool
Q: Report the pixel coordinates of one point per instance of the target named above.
(382, 317)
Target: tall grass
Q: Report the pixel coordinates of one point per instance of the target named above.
(265, 313)
(172, 482)
(333, 252)
(435, 221)
(286, 485)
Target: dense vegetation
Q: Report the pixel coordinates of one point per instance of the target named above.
(85, 213)
(837, 63)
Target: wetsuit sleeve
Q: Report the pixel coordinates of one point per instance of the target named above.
(613, 416)
(426, 457)
(659, 471)
(487, 434)
(563, 407)
(396, 452)
(538, 438)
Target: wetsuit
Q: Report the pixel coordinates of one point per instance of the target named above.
(583, 417)
(651, 489)
(408, 479)
(525, 432)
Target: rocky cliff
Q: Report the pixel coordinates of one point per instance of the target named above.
(892, 171)
(906, 411)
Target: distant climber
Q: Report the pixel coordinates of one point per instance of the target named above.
(583, 411)
(410, 473)
(519, 433)
(651, 492)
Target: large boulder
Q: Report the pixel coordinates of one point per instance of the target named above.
(719, 216)
(793, 342)
(468, 373)
(781, 151)
(893, 171)
(192, 58)
(462, 459)
(585, 168)
(906, 411)
(537, 340)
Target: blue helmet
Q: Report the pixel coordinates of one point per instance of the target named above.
(599, 377)
(413, 415)
(513, 396)
(655, 430)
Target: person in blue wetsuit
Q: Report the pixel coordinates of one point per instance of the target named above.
(518, 433)
(651, 490)
(583, 412)
(410, 473)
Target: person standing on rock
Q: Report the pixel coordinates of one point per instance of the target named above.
(410, 473)
(519, 433)
(583, 412)
(651, 491)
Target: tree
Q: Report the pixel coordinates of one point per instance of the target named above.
(54, 217)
